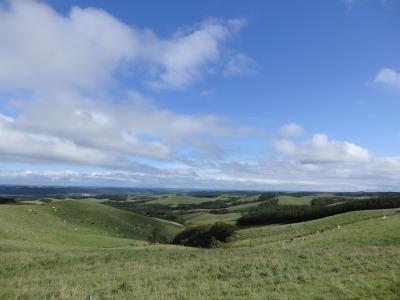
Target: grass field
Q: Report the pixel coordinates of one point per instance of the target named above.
(41, 257)
(175, 200)
(290, 200)
(75, 223)
(206, 218)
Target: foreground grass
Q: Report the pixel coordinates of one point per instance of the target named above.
(361, 260)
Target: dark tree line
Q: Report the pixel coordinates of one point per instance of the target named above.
(7, 200)
(299, 213)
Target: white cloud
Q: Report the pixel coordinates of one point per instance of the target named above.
(207, 93)
(349, 3)
(133, 127)
(65, 65)
(23, 146)
(285, 147)
(380, 174)
(291, 130)
(322, 150)
(239, 65)
(388, 78)
(41, 48)
(186, 57)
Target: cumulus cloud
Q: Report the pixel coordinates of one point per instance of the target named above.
(388, 78)
(285, 147)
(186, 57)
(41, 48)
(133, 127)
(320, 149)
(239, 64)
(65, 66)
(23, 146)
(291, 130)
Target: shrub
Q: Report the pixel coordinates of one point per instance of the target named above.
(205, 236)
(222, 231)
(267, 196)
(156, 237)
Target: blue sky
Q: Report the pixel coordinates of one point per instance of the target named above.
(276, 95)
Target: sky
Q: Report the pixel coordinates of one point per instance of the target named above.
(266, 95)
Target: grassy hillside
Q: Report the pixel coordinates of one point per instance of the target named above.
(304, 230)
(302, 200)
(361, 260)
(75, 223)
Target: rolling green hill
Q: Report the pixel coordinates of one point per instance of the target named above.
(76, 223)
(43, 257)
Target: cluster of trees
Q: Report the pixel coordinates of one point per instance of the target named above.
(205, 236)
(299, 213)
(157, 237)
(268, 199)
(206, 194)
(7, 200)
(155, 210)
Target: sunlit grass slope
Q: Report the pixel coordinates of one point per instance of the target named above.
(75, 223)
(361, 260)
(303, 231)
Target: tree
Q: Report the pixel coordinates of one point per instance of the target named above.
(156, 236)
